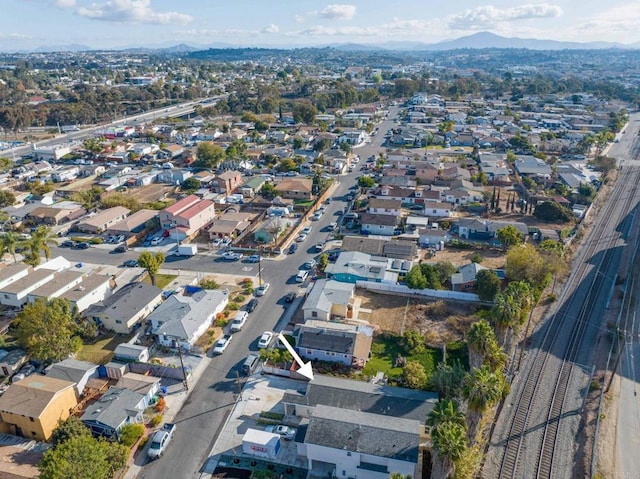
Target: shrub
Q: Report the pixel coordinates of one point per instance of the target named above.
(130, 433)
(233, 306)
(156, 420)
(161, 405)
(272, 415)
(248, 290)
(96, 240)
(143, 442)
(239, 299)
(209, 284)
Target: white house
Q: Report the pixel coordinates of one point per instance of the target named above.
(12, 272)
(15, 294)
(91, 290)
(384, 206)
(77, 372)
(65, 174)
(329, 299)
(438, 210)
(183, 318)
(379, 224)
(62, 282)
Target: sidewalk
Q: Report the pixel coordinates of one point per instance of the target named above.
(175, 398)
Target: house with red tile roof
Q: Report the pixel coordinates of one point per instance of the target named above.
(185, 218)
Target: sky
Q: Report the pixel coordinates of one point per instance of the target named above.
(31, 24)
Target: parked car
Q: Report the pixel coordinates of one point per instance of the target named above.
(238, 321)
(287, 433)
(310, 264)
(81, 246)
(251, 305)
(290, 297)
(226, 242)
(131, 263)
(216, 242)
(121, 248)
(67, 244)
(317, 215)
(306, 230)
(250, 364)
(293, 248)
(254, 258)
(319, 247)
(161, 440)
(156, 241)
(332, 226)
(262, 290)
(301, 238)
(265, 339)
(222, 344)
(231, 256)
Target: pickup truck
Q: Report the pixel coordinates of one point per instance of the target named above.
(160, 441)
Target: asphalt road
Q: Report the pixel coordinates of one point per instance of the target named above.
(211, 399)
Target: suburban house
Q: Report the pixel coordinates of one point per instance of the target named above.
(388, 248)
(295, 188)
(61, 282)
(252, 186)
(329, 300)
(32, 406)
(438, 210)
(270, 230)
(231, 224)
(134, 223)
(186, 217)
(430, 237)
(182, 318)
(528, 165)
(101, 221)
(352, 266)
(75, 371)
(15, 293)
(227, 182)
(148, 386)
(386, 417)
(126, 308)
(384, 206)
(465, 278)
(91, 290)
(486, 230)
(348, 344)
(174, 176)
(115, 409)
(55, 215)
(379, 224)
(12, 272)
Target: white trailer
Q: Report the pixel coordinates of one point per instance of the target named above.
(261, 443)
(187, 250)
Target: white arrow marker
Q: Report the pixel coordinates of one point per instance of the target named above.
(305, 368)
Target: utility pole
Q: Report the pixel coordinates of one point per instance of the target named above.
(259, 268)
(184, 373)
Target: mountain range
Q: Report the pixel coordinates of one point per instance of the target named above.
(478, 40)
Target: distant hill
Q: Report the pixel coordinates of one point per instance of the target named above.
(491, 40)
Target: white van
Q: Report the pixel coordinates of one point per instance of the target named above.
(239, 320)
(302, 276)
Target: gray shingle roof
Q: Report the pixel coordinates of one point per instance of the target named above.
(126, 302)
(70, 370)
(364, 433)
(112, 409)
(326, 293)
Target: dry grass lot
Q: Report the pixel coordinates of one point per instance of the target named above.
(439, 321)
(150, 193)
(492, 259)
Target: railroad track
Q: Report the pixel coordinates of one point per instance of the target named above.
(563, 339)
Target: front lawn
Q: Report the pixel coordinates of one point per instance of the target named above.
(101, 350)
(162, 280)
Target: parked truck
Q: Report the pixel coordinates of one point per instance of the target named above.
(187, 250)
(161, 439)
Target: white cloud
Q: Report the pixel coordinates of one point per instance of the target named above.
(271, 29)
(65, 3)
(298, 18)
(395, 29)
(132, 11)
(614, 24)
(338, 12)
(13, 36)
(490, 16)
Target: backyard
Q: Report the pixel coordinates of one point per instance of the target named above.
(101, 350)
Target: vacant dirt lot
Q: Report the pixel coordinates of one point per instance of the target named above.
(492, 259)
(439, 321)
(150, 193)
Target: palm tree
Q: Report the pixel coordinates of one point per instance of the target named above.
(151, 263)
(480, 341)
(39, 242)
(449, 445)
(445, 410)
(481, 389)
(8, 244)
(505, 315)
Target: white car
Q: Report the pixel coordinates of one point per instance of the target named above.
(217, 242)
(310, 264)
(262, 290)
(287, 433)
(301, 237)
(332, 226)
(231, 256)
(306, 230)
(238, 321)
(156, 241)
(222, 344)
(265, 339)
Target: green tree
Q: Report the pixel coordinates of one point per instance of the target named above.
(487, 284)
(481, 341)
(39, 242)
(304, 112)
(505, 316)
(68, 429)
(8, 244)
(553, 212)
(83, 457)
(366, 182)
(414, 375)
(449, 445)
(151, 262)
(48, 330)
(321, 145)
(445, 410)
(415, 279)
(90, 198)
(191, 185)
(269, 191)
(481, 390)
(509, 236)
(414, 342)
(323, 261)
(446, 379)
(286, 165)
(525, 263)
(209, 155)
(7, 198)
(130, 433)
